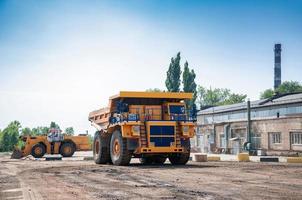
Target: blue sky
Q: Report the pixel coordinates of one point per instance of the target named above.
(61, 59)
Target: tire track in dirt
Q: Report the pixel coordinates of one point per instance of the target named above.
(10, 184)
(123, 183)
(85, 180)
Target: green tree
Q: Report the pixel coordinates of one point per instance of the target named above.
(267, 94)
(10, 136)
(189, 85)
(69, 131)
(1, 136)
(54, 125)
(200, 96)
(289, 87)
(14, 133)
(173, 75)
(35, 131)
(5, 142)
(234, 98)
(217, 96)
(40, 130)
(26, 131)
(285, 87)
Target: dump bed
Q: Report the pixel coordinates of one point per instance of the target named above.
(101, 116)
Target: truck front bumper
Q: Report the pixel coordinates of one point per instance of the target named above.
(161, 150)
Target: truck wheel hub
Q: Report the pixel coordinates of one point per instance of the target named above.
(116, 147)
(38, 151)
(67, 150)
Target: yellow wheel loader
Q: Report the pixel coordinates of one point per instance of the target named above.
(38, 146)
(152, 126)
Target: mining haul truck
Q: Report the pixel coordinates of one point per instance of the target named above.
(53, 143)
(152, 126)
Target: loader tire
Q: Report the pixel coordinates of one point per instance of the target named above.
(100, 148)
(119, 153)
(38, 150)
(67, 149)
(181, 158)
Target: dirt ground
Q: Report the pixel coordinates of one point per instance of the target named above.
(71, 179)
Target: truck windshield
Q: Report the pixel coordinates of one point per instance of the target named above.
(177, 109)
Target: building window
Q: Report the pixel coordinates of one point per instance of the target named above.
(276, 138)
(296, 137)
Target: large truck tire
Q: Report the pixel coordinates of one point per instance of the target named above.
(159, 159)
(119, 153)
(100, 148)
(67, 149)
(181, 158)
(38, 150)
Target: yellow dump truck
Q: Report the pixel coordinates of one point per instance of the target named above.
(38, 146)
(152, 126)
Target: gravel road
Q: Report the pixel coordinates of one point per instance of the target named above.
(77, 179)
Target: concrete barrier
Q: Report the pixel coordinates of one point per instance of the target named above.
(51, 158)
(213, 158)
(200, 157)
(269, 159)
(294, 159)
(243, 157)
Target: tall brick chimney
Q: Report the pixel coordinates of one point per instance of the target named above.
(277, 77)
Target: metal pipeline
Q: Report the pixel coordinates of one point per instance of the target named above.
(226, 135)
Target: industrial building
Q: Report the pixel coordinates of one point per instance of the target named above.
(270, 126)
(276, 127)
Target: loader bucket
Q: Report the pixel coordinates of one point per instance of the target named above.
(17, 154)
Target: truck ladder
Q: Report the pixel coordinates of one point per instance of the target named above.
(143, 136)
(178, 143)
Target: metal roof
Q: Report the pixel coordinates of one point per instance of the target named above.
(284, 99)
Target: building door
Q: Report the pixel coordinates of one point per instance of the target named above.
(236, 147)
(202, 143)
(211, 143)
(222, 141)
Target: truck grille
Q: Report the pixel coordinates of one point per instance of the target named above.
(162, 136)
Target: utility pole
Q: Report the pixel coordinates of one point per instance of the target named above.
(249, 128)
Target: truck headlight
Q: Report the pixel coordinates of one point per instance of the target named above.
(135, 130)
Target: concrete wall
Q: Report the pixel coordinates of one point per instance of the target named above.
(285, 126)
